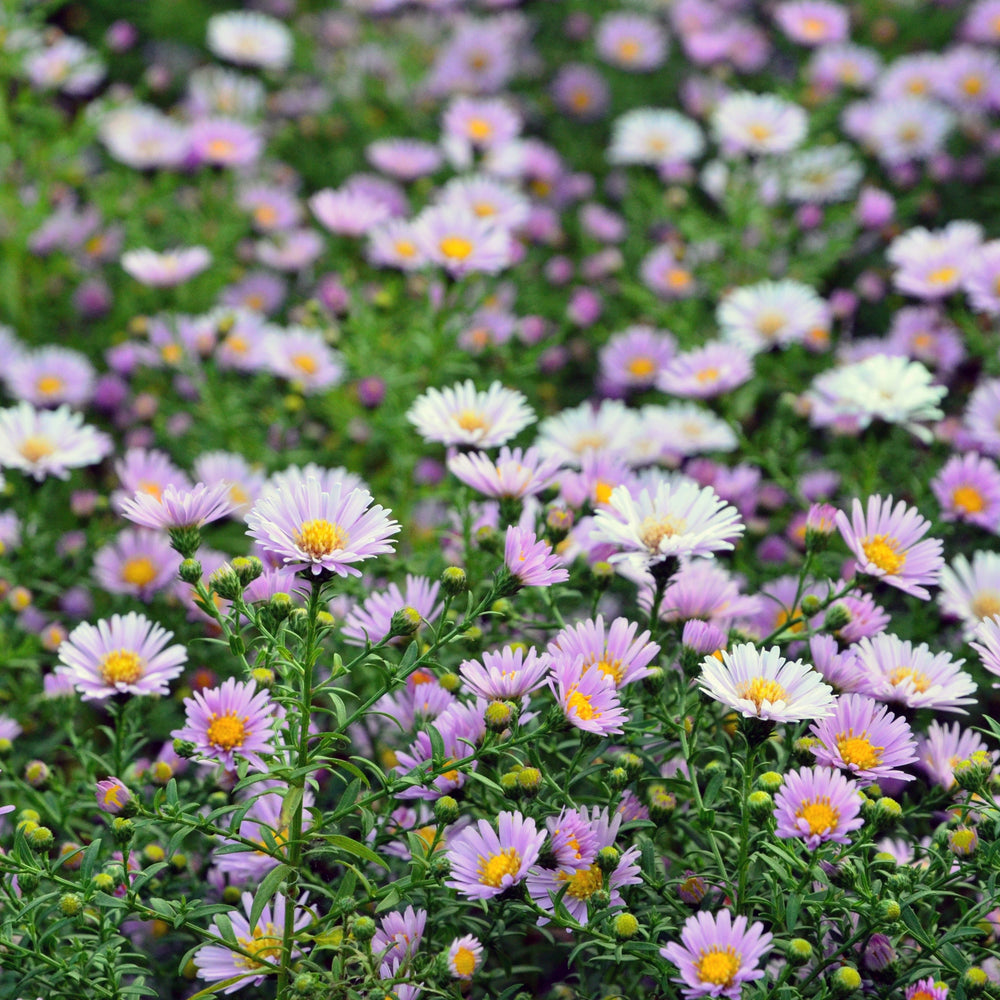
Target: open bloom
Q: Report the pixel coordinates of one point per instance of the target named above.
(164, 270)
(177, 507)
(485, 862)
(587, 699)
(48, 442)
(464, 956)
(515, 473)
(229, 721)
(718, 954)
(315, 529)
(250, 39)
(462, 415)
(507, 675)
(530, 561)
(763, 684)
(817, 804)
(617, 652)
(120, 655)
(886, 542)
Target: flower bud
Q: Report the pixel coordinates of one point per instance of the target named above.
(798, 951)
(363, 928)
(602, 573)
(529, 781)
(617, 778)
(487, 539)
(27, 881)
(453, 581)
(692, 890)
(607, 859)
(963, 841)
(887, 911)
(70, 904)
(661, 802)
(225, 582)
(974, 980)
(190, 571)
(810, 605)
(653, 681)
(879, 954)
(231, 895)
(600, 899)
(280, 606)
(820, 524)
(404, 622)
(39, 838)
(630, 763)
(558, 523)
(625, 926)
(122, 830)
(973, 772)
(472, 637)
(103, 882)
(499, 716)
(184, 749)
(508, 782)
(770, 781)
(836, 617)
(450, 682)
(802, 749)
(247, 568)
(36, 773)
(760, 805)
(845, 980)
(446, 810)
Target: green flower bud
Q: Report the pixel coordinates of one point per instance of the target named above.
(304, 984)
(487, 539)
(122, 830)
(454, 581)
(179, 862)
(508, 782)
(626, 926)
(631, 763)
(798, 951)
(446, 810)
(810, 605)
(36, 773)
(473, 637)
(225, 582)
(499, 716)
(760, 805)
(247, 568)
(602, 573)
(40, 838)
(837, 617)
(103, 882)
(973, 772)
(963, 841)
(802, 749)
(502, 608)
(280, 606)
(887, 911)
(974, 980)
(661, 802)
(404, 622)
(186, 541)
(653, 681)
(845, 980)
(231, 895)
(27, 881)
(70, 904)
(529, 781)
(363, 928)
(558, 522)
(190, 571)
(600, 899)
(450, 682)
(770, 781)
(617, 778)
(263, 678)
(185, 749)
(607, 859)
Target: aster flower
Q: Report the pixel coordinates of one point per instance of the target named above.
(290, 250)
(982, 416)
(243, 480)
(816, 805)
(529, 561)
(164, 270)
(988, 646)
(143, 137)
(926, 989)
(486, 862)
(177, 507)
(863, 737)
(460, 241)
(465, 955)
(822, 175)
(617, 652)
(707, 371)
(718, 954)
(663, 273)
(50, 376)
(112, 796)
(372, 620)
(462, 415)
(316, 530)
(48, 442)
(897, 670)
(633, 359)
(681, 519)
(394, 244)
(610, 427)
(762, 684)
(120, 655)
(812, 22)
(303, 357)
(479, 122)
(405, 159)
(348, 213)
(398, 935)
(968, 489)
(139, 562)
(981, 279)
(771, 314)
(886, 542)
(930, 265)
(654, 136)
(486, 198)
(944, 746)
(631, 42)
(758, 123)
(586, 698)
(670, 433)
(507, 675)
(214, 90)
(228, 721)
(250, 39)
(580, 91)
(262, 943)
(513, 475)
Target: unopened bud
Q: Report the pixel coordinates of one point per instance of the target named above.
(40, 838)
(810, 605)
(499, 716)
(247, 568)
(770, 781)
(184, 749)
(617, 778)
(608, 858)
(225, 582)
(70, 904)
(453, 581)
(529, 780)
(760, 805)
(798, 951)
(626, 926)
(837, 617)
(363, 928)
(36, 773)
(190, 571)
(404, 622)
(446, 810)
(845, 980)
(122, 830)
(975, 980)
(602, 573)
(661, 802)
(280, 606)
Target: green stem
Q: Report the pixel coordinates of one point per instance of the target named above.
(744, 850)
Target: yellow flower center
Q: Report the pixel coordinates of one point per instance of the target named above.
(969, 499)
(655, 529)
(813, 28)
(112, 796)
(171, 353)
(49, 385)
(943, 275)
(910, 132)
(641, 366)
(36, 448)
(95, 244)
(986, 604)
(819, 815)
(455, 247)
(581, 705)
(972, 85)
(464, 962)
(484, 209)
(122, 666)
(858, 750)
(770, 323)
(883, 552)
(580, 100)
(678, 278)
(305, 363)
(710, 374)
(761, 689)
(920, 681)
(153, 489)
(264, 944)
(470, 420)
(405, 248)
(718, 965)
(611, 668)
(917, 86)
(265, 215)
(583, 883)
(629, 49)
(603, 491)
(479, 128)
(319, 537)
(493, 869)
(139, 571)
(221, 148)
(227, 731)
(760, 131)
(236, 343)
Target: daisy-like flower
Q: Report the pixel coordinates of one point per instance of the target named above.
(120, 655)
(112, 796)
(480, 122)
(812, 22)
(762, 684)
(634, 358)
(677, 431)
(718, 954)
(654, 136)
(225, 142)
(758, 123)
(863, 737)
(507, 675)
(586, 698)
(529, 561)
(460, 241)
(405, 159)
(49, 442)
(303, 357)
(394, 244)
(143, 137)
(262, 943)
(771, 314)
(706, 371)
(968, 489)
(399, 935)
(465, 954)
(580, 91)
(229, 721)
(903, 129)
(463, 415)
(817, 804)
(678, 519)
(896, 670)
(886, 541)
(139, 562)
(982, 416)
(930, 265)
(988, 646)
(514, 474)
(944, 746)
(178, 507)
(372, 620)
(610, 428)
(348, 212)
(822, 175)
(662, 272)
(843, 65)
(926, 989)
(617, 652)
(243, 480)
(970, 591)
(486, 862)
(250, 39)
(631, 42)
(164, 270)
(50, 376)
(214, 90)
(486, 198)
(981, 279)
(315, 529)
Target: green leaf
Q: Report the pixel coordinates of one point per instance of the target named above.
(267, 888)
(355, 849)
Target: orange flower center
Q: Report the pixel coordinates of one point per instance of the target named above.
(969, 499)
(227, 731)
(139, 571)
(818, 814)
(455, 247)
(858, 750)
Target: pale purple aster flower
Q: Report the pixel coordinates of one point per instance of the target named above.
(394, 244)
(988, 646)
(398, 935)
(514, 474)
(944, 746)
(371, 621)
(982, 22)
(462, 415)
(530, 561)
(633, 359)
(486, 862)
(120, 655)
(843, 65)
(460, 241)
(142, 470)
(631, 42)
(655, 137)
(250, 39)
(66, 64)
(968, 489)
(139, 562)
(618, 652)
(480, 122)
(586, 698)
(863, 737)
(762, 684)
(164, 270)
(144, 138)
(225, 142)
(230, 721)
(758, 123)
(290, 250)
(839, 668)
(817, 805)
(244, 480)
(813, 22)
(258, 292)
(405, 159)
(317, 530)
(302, 356)
(580, 91)
(348, 213)
(507, 675)
(288, 480)
(931, 265)
(486, 198)
(898, 671)
(264, 941)
(380, 189)
(464, 956)
(112, 796)
(665, 275)
(969, 79)
(178, 507)
(706, 371)
(886, 542)
(215, 90)
(49, 442)
(970, 591)
(272, 208)
(924, 334)
(594, 482)
(50, 376)
(718, 954)
(703, 589)
(903, 129)
(982, 416)
(677, 519)
(981, 278)
(926, 989)
(911, 75)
